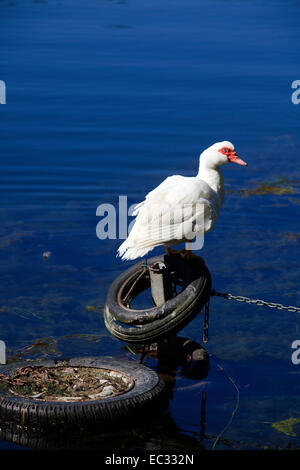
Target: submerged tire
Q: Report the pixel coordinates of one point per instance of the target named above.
(153, 324)
(34, 417)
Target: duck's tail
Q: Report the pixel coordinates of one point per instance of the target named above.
(129, 252)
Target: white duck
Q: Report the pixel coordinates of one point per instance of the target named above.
(180, 207)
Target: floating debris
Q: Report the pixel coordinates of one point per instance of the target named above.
(93, 308)
(16, 237)
(65, 383)
(107, 391)
(37, 395)
(288, 238)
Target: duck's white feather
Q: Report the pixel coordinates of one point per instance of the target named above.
(171, 214)
(180, 207)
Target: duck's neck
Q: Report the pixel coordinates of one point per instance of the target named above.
(214, 178)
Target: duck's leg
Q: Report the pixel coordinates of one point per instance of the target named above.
(184, 253)
(170, 251)
(187, 253)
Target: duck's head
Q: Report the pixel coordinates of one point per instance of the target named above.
(219, 153)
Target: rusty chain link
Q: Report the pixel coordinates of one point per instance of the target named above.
(258, 302)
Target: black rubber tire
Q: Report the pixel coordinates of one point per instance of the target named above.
(35, 417)
(153, 324)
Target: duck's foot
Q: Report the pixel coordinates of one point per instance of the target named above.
(170, 251)
(188, 254)
(185, 254)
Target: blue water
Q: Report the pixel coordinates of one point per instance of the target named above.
(107, 98)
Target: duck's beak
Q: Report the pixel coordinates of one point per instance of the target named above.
(233, 158)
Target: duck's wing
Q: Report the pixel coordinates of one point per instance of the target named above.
(176, 190)
(178, 209)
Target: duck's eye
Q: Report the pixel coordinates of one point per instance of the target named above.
(225, 150)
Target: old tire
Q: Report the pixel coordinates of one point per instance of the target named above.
(35, 417)
(153, 324)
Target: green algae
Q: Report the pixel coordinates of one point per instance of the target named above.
(279, 187)
(264, 188)
(286, 426)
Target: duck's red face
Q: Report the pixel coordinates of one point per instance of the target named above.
(232, 156)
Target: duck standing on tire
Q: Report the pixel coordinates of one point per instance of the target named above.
(180, 207)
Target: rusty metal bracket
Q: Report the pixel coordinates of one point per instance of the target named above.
(161, 287)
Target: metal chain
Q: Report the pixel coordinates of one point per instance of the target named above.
(206, 322)
(258, 302)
